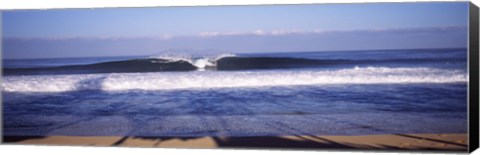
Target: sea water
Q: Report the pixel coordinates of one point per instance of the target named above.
(331, 93)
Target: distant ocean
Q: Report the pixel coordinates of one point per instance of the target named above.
(231, 94)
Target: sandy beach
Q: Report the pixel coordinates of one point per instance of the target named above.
(428, 142)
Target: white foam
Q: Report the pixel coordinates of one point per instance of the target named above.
(199, 62)
(220, 79)
(173, 57)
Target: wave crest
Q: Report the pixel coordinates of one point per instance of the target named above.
(198, 61)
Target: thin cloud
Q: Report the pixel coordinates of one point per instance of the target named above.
(413, 30)
(390, 31)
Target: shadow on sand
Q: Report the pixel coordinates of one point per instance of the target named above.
(265, 142)
(296, 142)
(300, 142)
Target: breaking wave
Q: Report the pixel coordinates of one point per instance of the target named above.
(221, 62)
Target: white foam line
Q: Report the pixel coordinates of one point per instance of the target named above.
(217, 79)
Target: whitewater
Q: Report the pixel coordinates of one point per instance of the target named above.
(211, 79)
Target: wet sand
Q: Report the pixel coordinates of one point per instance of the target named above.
(429, 142)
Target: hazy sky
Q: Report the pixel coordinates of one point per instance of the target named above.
(146, 31)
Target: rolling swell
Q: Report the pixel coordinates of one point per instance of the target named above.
(127, 66)
(245, 63)
(242, 63)
(160, 65)
(222, 64)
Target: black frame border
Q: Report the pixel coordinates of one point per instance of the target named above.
(473, 49)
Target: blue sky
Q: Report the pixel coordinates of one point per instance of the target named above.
(270, 28)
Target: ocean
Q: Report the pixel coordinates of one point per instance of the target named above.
(234, 94)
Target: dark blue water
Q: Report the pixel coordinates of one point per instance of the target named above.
(405, 95)
(51, 62)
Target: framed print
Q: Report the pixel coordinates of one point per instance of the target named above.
(359, 76)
